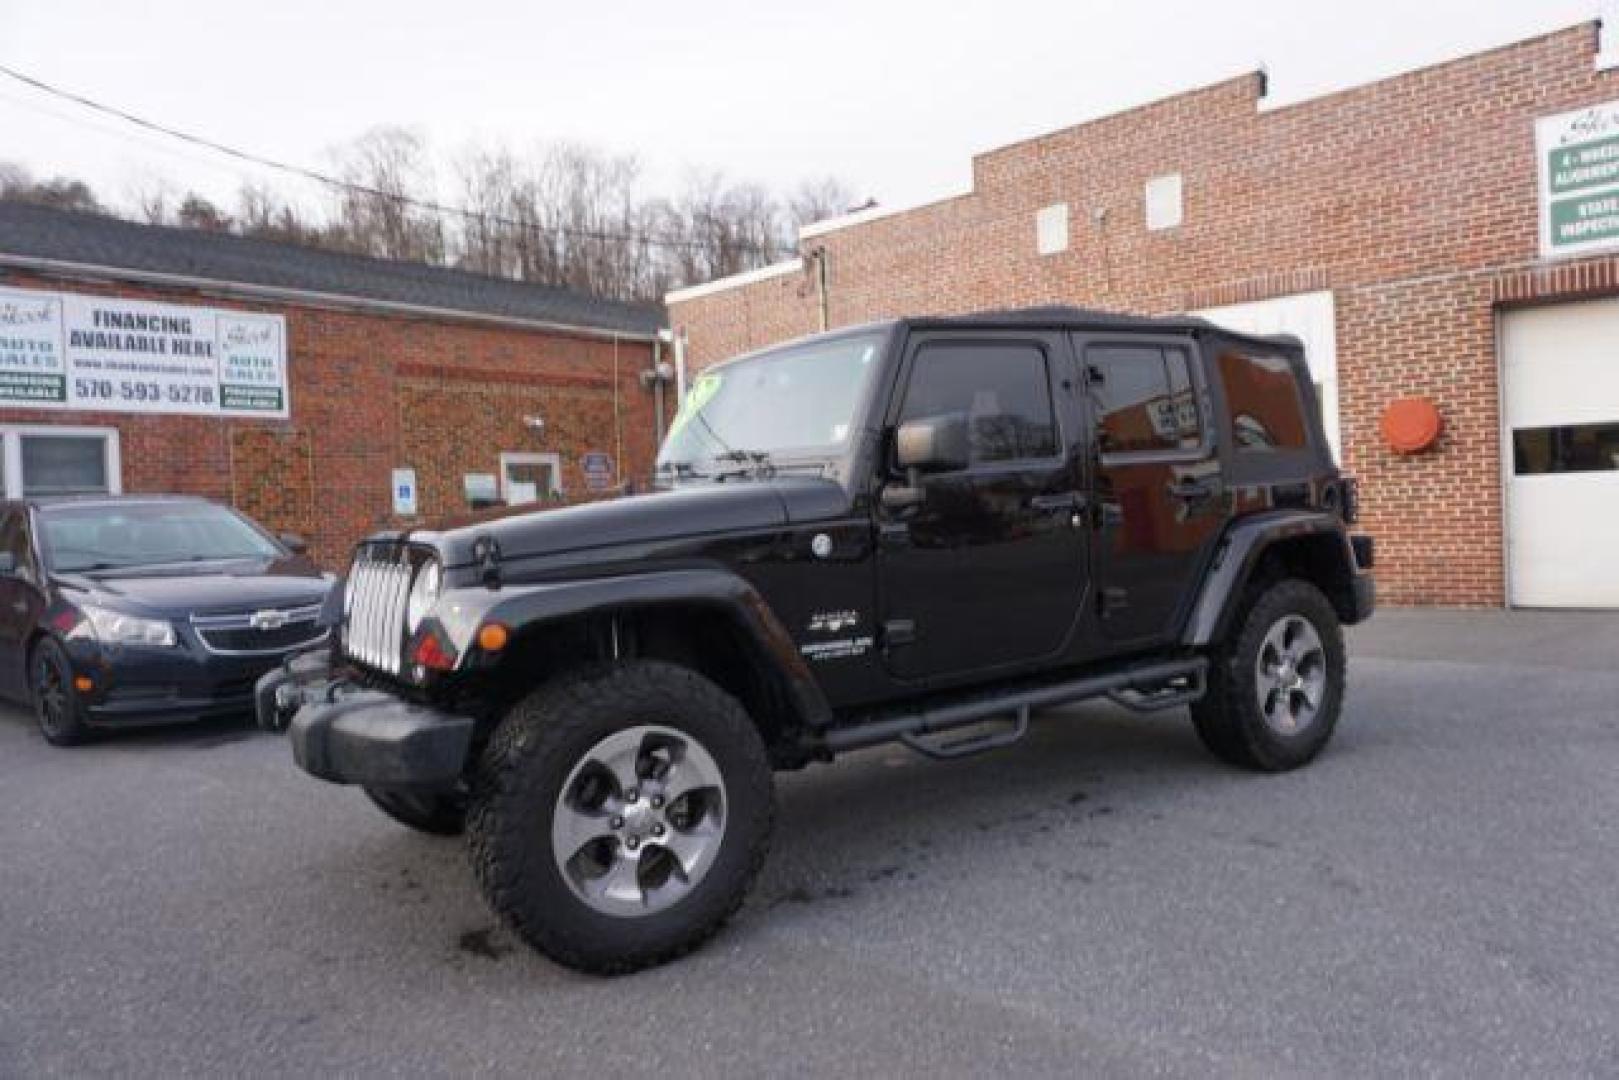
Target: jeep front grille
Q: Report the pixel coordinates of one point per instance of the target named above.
(374, 607)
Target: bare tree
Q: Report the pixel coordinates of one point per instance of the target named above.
(566, 215)
(196, 212)
(261, 212)
(154, 198)
(817, 200)
(388, 170)
(60, 192)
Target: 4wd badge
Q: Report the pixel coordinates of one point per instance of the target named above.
(830, 622)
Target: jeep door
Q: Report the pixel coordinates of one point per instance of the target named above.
(987, 567)
(1159, 492)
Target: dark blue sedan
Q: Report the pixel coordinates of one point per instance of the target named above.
(123, 611)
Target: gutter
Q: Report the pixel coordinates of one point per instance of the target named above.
(309, 297)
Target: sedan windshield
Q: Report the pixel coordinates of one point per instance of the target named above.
(109, 537)
(794, 403)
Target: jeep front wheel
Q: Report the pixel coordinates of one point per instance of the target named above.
(1277, 685)
(619, 816)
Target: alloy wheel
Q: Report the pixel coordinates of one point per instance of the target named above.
(1291, 675)
(639, 821)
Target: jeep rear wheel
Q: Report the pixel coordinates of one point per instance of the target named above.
(619, 816)
(1277, 685)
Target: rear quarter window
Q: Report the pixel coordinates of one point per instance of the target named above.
(1263, 402)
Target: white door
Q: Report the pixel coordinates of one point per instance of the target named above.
(1308, 317)
(1561, 371)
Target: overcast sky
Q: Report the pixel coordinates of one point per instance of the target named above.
(894, 98)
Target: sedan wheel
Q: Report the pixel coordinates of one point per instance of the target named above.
(56, 703)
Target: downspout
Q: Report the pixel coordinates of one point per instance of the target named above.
(680, 367)
(819, 255)
(657, 385)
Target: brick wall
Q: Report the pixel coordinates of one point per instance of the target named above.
(373, 392)
(1412, 199)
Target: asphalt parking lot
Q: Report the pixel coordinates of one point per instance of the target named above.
(1438, 894)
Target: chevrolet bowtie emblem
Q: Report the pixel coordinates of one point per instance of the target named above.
(267, 620)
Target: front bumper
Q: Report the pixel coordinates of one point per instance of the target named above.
(140, 687)
(350, 735)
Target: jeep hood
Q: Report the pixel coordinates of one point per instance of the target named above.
(701, 510)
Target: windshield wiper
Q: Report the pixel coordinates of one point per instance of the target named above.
(754, 463)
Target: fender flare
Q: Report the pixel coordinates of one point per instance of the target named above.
(521, 607)
(1240, 551)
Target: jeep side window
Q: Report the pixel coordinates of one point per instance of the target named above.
(1263, 400)
(1004, 390)
(1143, 398)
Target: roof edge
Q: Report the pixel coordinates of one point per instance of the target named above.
(340, 301)
(747, 277)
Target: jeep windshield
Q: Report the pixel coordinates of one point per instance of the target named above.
(790, 406)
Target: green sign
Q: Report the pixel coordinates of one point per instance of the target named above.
(1578, 162)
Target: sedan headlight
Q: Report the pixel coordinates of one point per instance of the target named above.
(115, 627)
(423, 594)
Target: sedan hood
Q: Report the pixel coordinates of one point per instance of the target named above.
(734, 506)
(222, 587)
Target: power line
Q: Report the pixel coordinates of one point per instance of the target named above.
(328, 180)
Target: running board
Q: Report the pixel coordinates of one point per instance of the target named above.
(1146, 687)
(972, 744)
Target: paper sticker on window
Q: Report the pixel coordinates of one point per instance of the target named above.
(700, 394)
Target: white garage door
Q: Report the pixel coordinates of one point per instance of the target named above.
(1308, 317)
(1561, 366)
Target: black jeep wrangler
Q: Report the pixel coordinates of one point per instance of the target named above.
(882, 533)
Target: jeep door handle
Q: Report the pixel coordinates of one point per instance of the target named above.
(1057, 504)
(1191, 490)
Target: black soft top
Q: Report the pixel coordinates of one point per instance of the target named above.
(1065, 317)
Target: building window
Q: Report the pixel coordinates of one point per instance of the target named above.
(526, 478)
(1572, 448)
(59, 461)
(1164, 202)
(1051, 229)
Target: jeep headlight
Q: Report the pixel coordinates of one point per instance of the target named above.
(423, 594)
(117, 628)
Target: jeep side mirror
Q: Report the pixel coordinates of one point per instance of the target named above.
(932, 443)
(294, 543)
(928, 444)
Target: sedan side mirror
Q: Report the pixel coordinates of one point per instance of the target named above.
(294, 543)
(933, 443)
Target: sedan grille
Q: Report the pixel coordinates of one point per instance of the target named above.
(374, 606)
(272, 630)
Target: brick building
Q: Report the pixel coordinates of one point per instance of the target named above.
(1439, 235)
(294, 383)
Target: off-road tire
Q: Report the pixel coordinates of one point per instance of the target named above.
(1229, 718)
(57, 709)
(520, 777)
(438, 813)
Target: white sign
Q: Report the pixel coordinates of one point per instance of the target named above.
(71, 351)
(404, 490)
(1577, 154)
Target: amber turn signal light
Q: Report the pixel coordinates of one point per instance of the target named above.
(492, 637)
(83, 683)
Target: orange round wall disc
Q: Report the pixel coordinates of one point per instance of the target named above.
(1411, 424)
